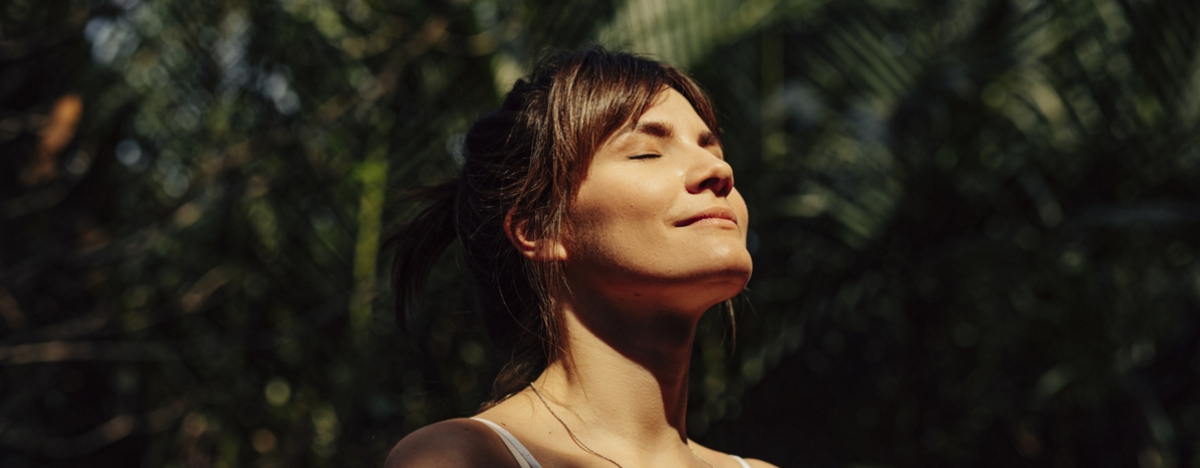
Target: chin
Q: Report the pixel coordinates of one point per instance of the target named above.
(725, 283)
(736, 264)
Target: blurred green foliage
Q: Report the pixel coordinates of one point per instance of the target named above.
(974, 225)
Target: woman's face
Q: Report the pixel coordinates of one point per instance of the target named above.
(656, 217)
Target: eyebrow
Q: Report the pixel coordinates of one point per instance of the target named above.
(655, 129)
(665, 130)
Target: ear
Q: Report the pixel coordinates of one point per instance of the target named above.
(538, 250)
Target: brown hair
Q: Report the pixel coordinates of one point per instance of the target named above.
(526, 160)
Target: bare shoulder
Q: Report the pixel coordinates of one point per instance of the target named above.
(451, 443)
(759, 463)
(723, 459)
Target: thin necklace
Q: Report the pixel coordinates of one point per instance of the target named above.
(589, 449)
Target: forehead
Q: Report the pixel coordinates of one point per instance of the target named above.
(670, 115)
(669, 106)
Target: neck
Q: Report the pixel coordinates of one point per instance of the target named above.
(621, 382)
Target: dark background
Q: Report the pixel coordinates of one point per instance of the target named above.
(974, 225)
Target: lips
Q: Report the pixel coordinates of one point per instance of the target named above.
(716, 214)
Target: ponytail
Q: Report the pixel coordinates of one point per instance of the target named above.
(419, 244)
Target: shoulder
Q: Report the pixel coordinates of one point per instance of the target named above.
(755, 463)
(725, 459)
(452, 443)
(759, 463)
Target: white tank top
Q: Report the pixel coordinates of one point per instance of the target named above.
(525, 459)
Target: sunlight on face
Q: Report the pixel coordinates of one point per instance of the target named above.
(657, 212)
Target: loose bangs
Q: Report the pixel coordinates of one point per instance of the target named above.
(603, 94)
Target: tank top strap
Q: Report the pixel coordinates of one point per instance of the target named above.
(526, 460)
(518, 451)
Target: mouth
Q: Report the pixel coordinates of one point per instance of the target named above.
(714, 215)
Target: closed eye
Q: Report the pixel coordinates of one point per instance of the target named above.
(644, 156)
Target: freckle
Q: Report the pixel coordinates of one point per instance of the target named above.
(637, 294)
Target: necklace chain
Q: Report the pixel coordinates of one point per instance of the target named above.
(589, 449)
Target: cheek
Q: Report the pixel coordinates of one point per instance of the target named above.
(625, 199)
(627, 215)
(592, 225)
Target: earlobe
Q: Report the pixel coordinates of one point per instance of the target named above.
(533, 248)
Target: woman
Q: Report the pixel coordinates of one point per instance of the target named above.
(600, 221)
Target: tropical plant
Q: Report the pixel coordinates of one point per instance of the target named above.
(974, 225)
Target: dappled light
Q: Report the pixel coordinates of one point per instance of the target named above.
(975, 225)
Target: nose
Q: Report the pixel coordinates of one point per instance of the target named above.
(711, 173)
